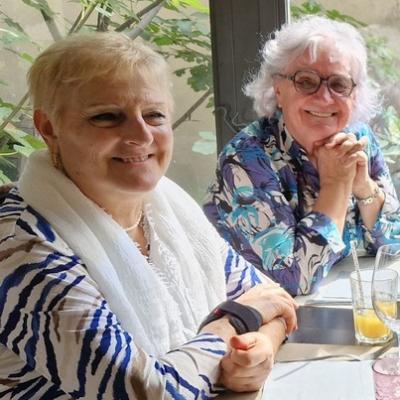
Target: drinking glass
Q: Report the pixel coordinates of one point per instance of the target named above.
(368, 327)
(385, 287)
(385, 300)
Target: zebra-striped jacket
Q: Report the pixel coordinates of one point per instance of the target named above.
(60, 340)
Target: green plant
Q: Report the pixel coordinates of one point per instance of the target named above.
(184, 35)
(384, 72)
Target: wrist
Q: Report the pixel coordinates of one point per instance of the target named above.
(243, 318)
(368, 194)
(220, 327)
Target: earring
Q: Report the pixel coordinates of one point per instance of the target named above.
(56, 160)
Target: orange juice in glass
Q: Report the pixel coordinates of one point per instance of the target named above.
(368, 327)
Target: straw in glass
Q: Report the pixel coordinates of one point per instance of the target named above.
(357, 269)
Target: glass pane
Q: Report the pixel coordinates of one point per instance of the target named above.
(182, 35)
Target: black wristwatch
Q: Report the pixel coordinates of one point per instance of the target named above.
(243, 318)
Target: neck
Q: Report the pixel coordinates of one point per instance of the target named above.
(127, 213)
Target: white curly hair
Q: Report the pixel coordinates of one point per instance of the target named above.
(313, 34)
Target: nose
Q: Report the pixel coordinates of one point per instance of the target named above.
(324, 93)
(137, 132)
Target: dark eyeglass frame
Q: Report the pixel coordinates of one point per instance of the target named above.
(321, 80)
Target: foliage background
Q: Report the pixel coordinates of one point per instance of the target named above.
(180, 30)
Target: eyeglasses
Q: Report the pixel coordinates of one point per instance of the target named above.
(309, 82)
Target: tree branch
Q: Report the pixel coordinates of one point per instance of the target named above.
(138, 15)
(12, 114)
(52, 26)
(147, 18)
(103, 21)
(84, 17)
(187, 114)
(76, 22)
(79, 22)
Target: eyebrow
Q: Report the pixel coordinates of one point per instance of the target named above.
(146, 102)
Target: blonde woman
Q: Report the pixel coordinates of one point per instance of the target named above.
(107, 268)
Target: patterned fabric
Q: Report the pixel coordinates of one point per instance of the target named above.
(60, 340)
(261, 202)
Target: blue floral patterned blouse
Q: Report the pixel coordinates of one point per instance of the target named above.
(261, 202)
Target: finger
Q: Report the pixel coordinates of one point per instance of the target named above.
(246, 379)
(285, 310)
(339, 138)
(348, 148)
(241, 385)
(236, 371)
(243, 342)
(282, 292)
(359, 158)
(260, 351)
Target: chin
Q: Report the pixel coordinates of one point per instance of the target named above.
(142, 186)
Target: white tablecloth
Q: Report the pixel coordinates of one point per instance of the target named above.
(320, 380)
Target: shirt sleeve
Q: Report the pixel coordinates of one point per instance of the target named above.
(240, 275)
(53, 317)
(250, 210)
(387, 227)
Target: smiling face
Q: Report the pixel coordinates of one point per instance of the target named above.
(313, 117)
(115, 138)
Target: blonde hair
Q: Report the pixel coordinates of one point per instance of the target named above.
(81, 58)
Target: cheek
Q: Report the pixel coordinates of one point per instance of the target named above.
(165, 141)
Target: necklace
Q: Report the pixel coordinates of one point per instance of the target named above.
(136, 224)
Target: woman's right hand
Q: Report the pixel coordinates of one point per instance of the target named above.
(336, 159)
(271, 302)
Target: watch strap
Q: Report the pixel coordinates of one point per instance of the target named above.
(243, 318)
(250, 317)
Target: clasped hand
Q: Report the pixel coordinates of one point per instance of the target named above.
(341, 158)
(250, 358)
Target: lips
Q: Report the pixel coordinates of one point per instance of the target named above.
(320, 114)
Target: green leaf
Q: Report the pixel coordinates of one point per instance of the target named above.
(185, 26)
(180, 72)
(197, 5)
(26, 57)
(205, 148)
(175, 3)
(207, 144)
(27, 141)
(40, 5)
(4, 178)
(163, 41)
(207, 135)
(201, 78)
(25, 151)
(36, 143)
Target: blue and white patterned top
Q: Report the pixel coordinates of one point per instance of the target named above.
(60, 340)
(261, 203)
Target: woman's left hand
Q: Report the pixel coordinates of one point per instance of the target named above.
(251, 358)
(347, 147)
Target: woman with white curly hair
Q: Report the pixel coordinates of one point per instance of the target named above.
(294, 188)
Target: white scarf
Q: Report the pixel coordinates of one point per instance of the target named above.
(162, 303)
